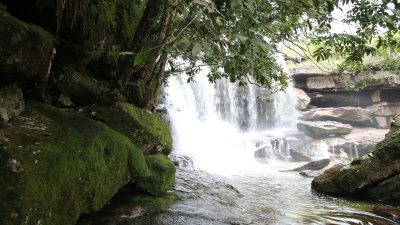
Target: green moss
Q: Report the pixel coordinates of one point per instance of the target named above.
(147, 130)
(60, 165)
(26, 50)
(162, 175)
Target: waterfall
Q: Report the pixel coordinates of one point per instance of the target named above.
(218, 125)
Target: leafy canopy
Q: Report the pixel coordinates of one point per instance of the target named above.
(238, 39)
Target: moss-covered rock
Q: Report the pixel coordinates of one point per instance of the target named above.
(56, 165)
(147, 130)
(375, 174)
(26, 50)
(77, 86)
(162, 175)
(129, 206)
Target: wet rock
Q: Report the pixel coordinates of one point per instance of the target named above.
(324, 128)
(388, 212)
(305, 173)
(386, 190)
(162, 175)
(375, 174)
(55, 161)
(298, 157)
(147, 130)
(260, 153)
(302, 99)
(350, 115)
(182, 161)
(26, 51)
(314, 165)
(310, 173)
(11, 102)
(129, 206)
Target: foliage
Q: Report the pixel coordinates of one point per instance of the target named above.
(239, 39)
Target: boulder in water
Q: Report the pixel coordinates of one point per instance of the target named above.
(314, 165)
(324, 128)
(298, 157)
(375, 174)
(162, 175)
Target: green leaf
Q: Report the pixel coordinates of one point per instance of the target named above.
(241, 37)
(141, 57)
(260, 43)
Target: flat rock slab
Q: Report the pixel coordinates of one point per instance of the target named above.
(324, 128)
(352, 115)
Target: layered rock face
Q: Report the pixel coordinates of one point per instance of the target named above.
(70, 135)
(378, 96)
(375, 175)
(352, 112)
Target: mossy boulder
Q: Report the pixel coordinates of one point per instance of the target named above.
(162, 175)
(56, 165)
(26, 51)
(75, 85)
(374, 175)
(146, 129)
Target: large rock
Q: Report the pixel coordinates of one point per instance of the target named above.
(26, 51)
(323, 128)
(351, 115)
(314, 165)
(298, 157)
(302, 99)
(75, 85)
(375, 174)
(11, 102)
(56, 165)
(162, 175)
(384, 112)
(147, 130)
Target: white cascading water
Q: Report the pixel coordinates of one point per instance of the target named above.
(219, 124)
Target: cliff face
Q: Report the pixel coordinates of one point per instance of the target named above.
(347, 111)
(367, 105)
(76, 120)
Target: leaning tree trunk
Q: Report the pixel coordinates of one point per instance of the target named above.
(141, 73)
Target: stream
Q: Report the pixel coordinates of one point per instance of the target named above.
(230, 147)
(267, 196)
